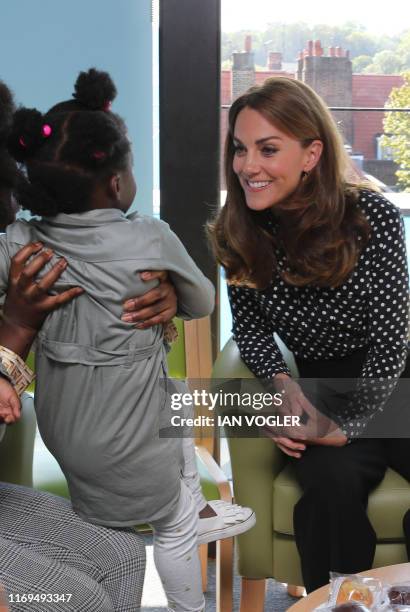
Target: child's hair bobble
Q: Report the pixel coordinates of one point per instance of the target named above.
(47, 130)
(99, 155)
(95, 90)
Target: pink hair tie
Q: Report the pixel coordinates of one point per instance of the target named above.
(22, 142)
(99, 155)
(47, 130)
(107, 105)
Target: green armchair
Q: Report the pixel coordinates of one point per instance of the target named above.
(263, 479)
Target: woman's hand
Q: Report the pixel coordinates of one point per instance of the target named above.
(292, 448)
(294, 402)
(315, 427)
(157, 306)
(335, 437)
(28, 302)
(9, 403)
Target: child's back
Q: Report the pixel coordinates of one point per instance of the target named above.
(101, 394)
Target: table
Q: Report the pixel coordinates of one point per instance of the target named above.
(390, 574)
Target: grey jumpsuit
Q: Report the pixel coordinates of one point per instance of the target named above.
(99, 401)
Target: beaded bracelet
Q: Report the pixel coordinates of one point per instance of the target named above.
(170, 332)
(16, 370)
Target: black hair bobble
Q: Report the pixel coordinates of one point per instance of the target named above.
(95, 90)
(27, 133)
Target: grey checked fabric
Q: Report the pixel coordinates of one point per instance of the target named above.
(46, 548)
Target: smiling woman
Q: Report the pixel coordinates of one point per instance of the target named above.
(285, 154)
(269, 166)
(320, 261)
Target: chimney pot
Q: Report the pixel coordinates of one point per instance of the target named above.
(318, 49)
(275, 60)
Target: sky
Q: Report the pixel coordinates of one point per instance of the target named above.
(255, 14)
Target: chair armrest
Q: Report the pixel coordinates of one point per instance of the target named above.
(215, 472)
(16, 448)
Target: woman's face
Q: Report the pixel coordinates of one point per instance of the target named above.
(268, 162)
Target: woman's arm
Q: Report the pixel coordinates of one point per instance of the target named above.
(26, 306)
(28, 302)
(253, 334)
(388, 310)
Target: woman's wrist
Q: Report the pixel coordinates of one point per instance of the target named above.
(17, 338)
(278, 380)
(13, 368)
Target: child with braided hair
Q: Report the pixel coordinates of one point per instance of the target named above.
(99, 400)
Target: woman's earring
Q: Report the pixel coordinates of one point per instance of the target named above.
(304, 175)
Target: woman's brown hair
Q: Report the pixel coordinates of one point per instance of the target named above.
(321, 228)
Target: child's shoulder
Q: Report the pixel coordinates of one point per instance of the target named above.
(148, 223)
(20, 232)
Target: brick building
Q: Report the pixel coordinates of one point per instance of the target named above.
(330, 74)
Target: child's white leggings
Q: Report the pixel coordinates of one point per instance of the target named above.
(176, 555)
(175, 537)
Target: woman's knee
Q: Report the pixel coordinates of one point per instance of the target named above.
(326, 478)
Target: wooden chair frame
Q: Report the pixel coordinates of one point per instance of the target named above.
(198, 356)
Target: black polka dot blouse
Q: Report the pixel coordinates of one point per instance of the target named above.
(370, 310)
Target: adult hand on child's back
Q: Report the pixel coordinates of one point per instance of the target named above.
(156, 307)
(28, 302)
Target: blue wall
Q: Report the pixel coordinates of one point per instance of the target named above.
(45, 43)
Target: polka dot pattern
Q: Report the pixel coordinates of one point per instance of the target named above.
(370, 310)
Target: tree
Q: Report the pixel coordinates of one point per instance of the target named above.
(361, 62)
(290, 38)
(397, 129)
(385, 62)
(361, 43)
